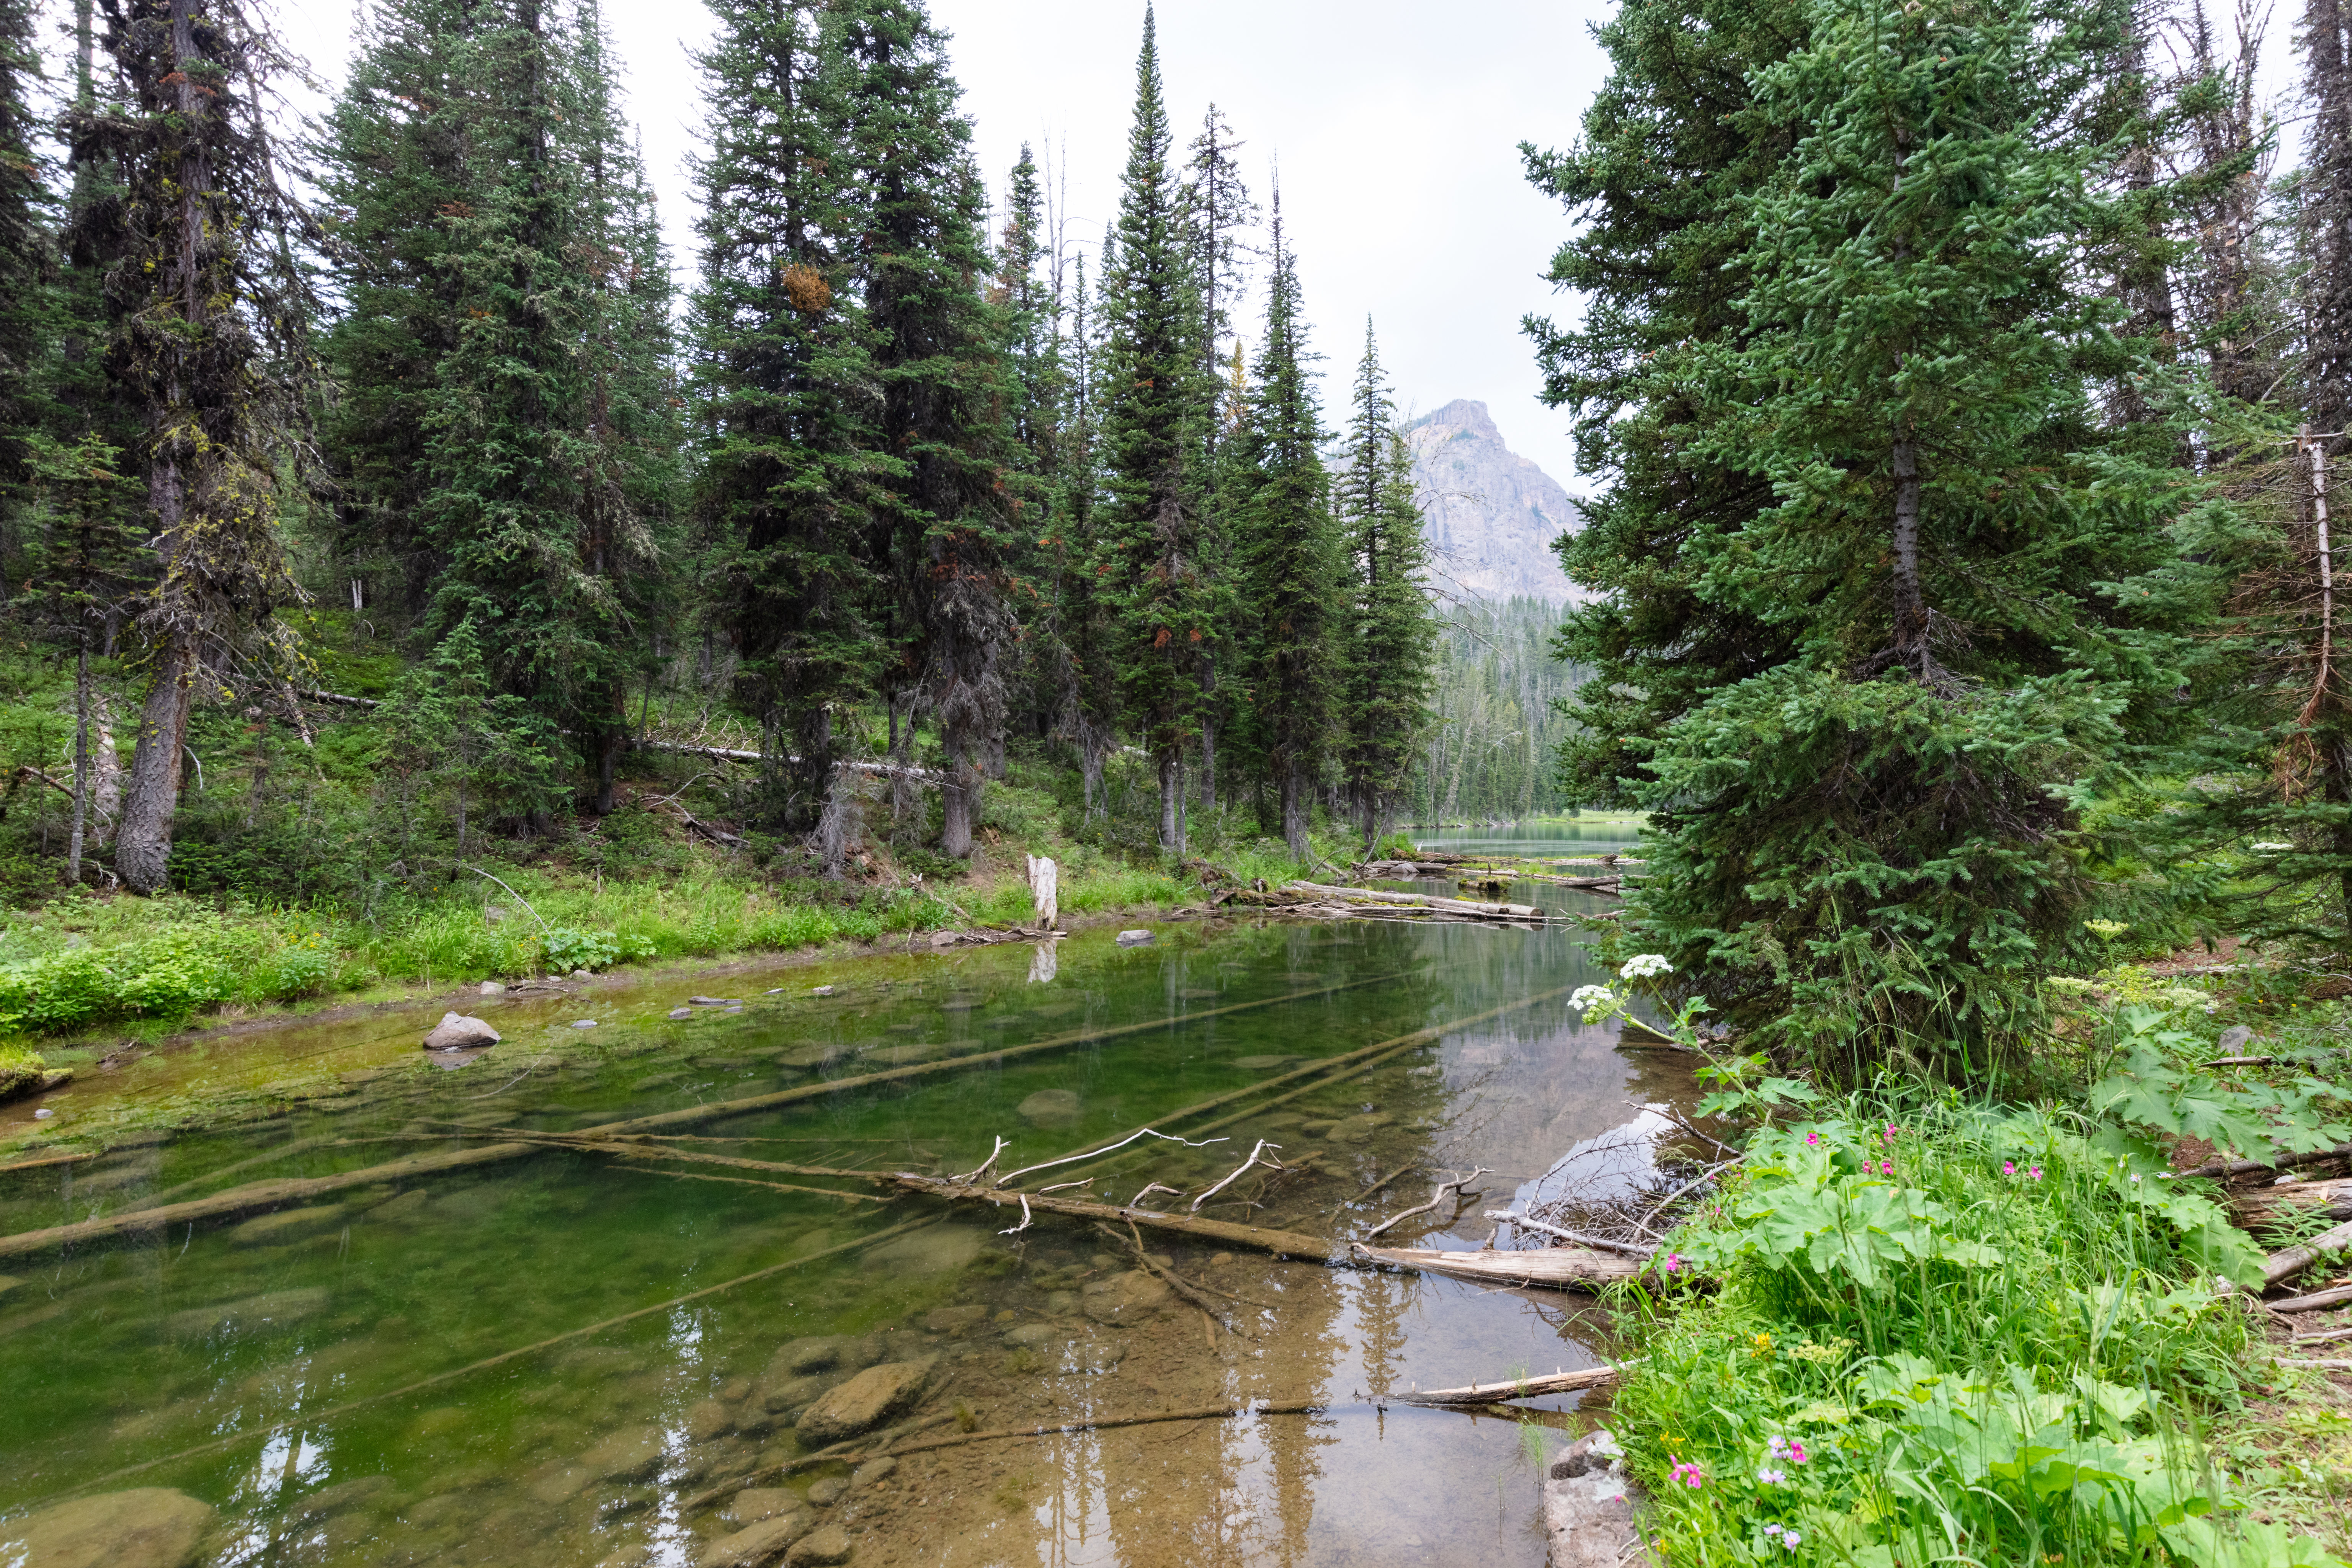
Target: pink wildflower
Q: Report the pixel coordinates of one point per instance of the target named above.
(1886, 1168)
(1796, 1452)
(1813, 1140)
(1890, 1131)
(1690, 1475)
(2035, 1172)
(2009, 1167)
(1674, 1262)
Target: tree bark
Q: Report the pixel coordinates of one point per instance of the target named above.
(958, 797)
(1171, 786)
(1293, 808)
(81, 757)
(143, 854)
(1910, 603)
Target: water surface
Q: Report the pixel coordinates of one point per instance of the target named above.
(1554, 837)
(324, 1378)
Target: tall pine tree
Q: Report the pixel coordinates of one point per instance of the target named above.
(1147, 547)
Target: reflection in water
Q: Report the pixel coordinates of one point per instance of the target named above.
(1549, 837)
(558, 1360)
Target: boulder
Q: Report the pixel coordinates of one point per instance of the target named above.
(151, 1527)
(825, 1547)
(1357, 1129)
(492, 988)
(1588, 1509)
(1134, 938)
(681, 1012)
(863, 1402)
(457, 1032)
(1050, 1108)
(759, 1543)
(1028, 1336)
(288, 1224)
(1126, 1298)
(631, 1454)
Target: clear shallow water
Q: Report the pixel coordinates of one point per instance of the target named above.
(1535, 839)
(294, 1372)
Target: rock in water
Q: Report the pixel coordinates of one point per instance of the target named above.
(826, 1491)
(1126, 1298)
(753, 1504)
(457, 1032)
(492, 988)
(934, 1249)
(863, 1402)
(629, 1454)
(288, 1224)
(1588, 1515)
(152, 1527)
(1134, 938)
(1050, 1108)
(826, 1547)
(758, 1544)
(276, 1309)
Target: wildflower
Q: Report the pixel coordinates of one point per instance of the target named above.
(1791, 1539)
(1642, 965)
(1886, 1168)
(2009, 1167)
(1690, 1475)
(1674, 1262)
(1890, 1133)
(1777, 1447)
(1591, 996)
(1760, 1344)
(1796, 1452)
(1813, 1140)
(1771, 1529)
(2035, 1172)
(1772, 1478)
(2134, 1178)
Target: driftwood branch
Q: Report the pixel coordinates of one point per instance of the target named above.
(1632, 1248)
(1452, 1183)
(2317, 1302)
(1517, 1387)
(1239, 1171)
(1011, 1176)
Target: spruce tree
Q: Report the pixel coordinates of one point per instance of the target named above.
(1148, 546)
(207, 321)
(1869, 848)
(1389, 647)
(783, 494)
(1028, 295)
(1290, 561)
(24, 247)
(1671, 144)
(941, 441)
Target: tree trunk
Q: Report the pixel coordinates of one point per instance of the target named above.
(959, 790)
(106, 774)
(144, 845)
(1172, 786)
(1910, 603)
(1294, 809)
(81, 758)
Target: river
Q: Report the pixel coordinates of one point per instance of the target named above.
(323, 1379)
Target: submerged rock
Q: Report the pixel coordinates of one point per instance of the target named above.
(1357, 1129)
(826, 1490)
(814, 1056)
(753, 1504)
(934, 1249)
(457, 1032)
(865, 1402)
(1134, 938)
(1049, 1108)
(1126, 1298)
(949, 1320)
(288, 1224)
(631, 1454)
(708, 1419)
(873, 1470)
(152, 1527)
(825, 1547)
(757, 1544)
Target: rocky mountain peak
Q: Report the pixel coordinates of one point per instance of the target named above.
(1492, 514)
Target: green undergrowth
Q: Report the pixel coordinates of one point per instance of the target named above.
(1912, 1328)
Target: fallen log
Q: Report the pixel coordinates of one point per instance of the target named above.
(1560, 1267)
(2295, 1259)
(1517, 1387)
(1258, 1238)
(2273, 1205)
(2319, 1302)
(1421, 900)
(2248, 1167)
(1575, 1238)
(275, 1193)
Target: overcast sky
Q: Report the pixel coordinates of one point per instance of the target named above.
(1396, 127)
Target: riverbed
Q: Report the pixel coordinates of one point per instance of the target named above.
(565, 1358)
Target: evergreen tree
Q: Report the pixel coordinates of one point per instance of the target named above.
(1869, 847)
(783, 493)
(207, 320)
(1390, 650)
(24, 249)
(1028, 294)
(1672, 141)
(397, 180)
(942, 452)
(1148, 544)
(1291, 567)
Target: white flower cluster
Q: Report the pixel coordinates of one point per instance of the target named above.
(2272, 848)
(1642, 965)
(1588, 999)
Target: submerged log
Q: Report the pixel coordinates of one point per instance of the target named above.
(1558, 1267)
(1509, 1388)
(1258, 1238)
(1419, 901)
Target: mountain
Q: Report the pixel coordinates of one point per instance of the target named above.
(1492, 514)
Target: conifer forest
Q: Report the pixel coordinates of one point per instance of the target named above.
(823, 716)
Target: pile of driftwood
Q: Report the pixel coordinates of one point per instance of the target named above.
(1322, 900)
